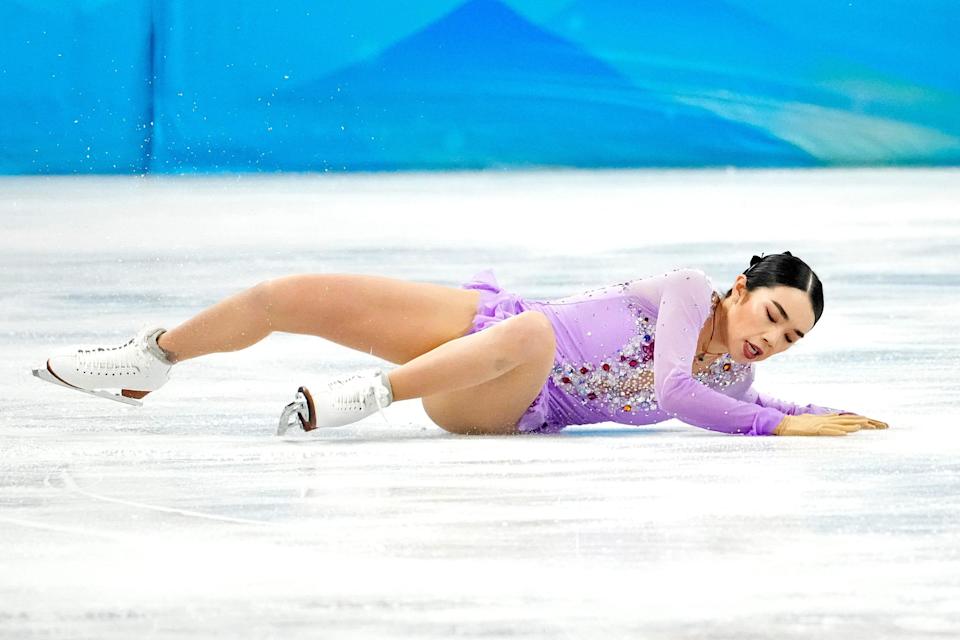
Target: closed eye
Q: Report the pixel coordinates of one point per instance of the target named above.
(772, 320)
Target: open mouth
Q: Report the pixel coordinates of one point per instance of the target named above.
(751, 352)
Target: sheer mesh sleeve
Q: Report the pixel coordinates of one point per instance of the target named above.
(789, 408)
(683, 308)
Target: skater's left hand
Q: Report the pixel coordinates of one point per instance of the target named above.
(870, 422)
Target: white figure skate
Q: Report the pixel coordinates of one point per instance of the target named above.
(136, 367)
(340, 401)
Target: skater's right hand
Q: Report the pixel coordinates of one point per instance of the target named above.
(809, 424)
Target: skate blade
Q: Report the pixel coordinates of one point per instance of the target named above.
(285, 423)
(44, 374)
(300, 413)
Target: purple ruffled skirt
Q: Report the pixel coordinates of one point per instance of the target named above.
(496, 305)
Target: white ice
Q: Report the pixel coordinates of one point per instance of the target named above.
(188, 518)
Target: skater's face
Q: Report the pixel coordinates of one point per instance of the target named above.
(771, 318)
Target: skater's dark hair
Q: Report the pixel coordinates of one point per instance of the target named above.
(785, 269)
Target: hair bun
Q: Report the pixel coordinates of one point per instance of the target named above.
(754, 260)
(788, 253)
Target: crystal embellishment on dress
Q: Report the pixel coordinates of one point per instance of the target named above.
(723, 372)
(623, 383)
(620, 384)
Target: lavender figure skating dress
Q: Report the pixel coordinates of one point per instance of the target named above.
(625, 354)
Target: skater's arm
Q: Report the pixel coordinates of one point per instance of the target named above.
(789, 408)
(752, 394)
(683, 309)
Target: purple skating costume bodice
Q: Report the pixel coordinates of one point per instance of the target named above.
(625, 354)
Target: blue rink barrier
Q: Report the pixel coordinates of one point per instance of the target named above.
(170, 86)
(75, 94)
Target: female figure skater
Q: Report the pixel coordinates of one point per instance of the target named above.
(486, 361)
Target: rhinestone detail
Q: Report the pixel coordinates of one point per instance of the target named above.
(623, 384)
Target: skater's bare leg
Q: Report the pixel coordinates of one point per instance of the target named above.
(487, 378)
(474, 359)
(480, 381)
(234, 323)
(504, 368)
(393, 319)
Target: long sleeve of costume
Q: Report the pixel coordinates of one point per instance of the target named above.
(789, 408)
(685, 304)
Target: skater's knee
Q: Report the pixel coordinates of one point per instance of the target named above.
(280, 298)
(268, 297)
(528, 335)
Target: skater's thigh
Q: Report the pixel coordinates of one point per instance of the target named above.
(494, 406)
(390, 318)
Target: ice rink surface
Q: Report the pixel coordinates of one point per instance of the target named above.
(188, 518)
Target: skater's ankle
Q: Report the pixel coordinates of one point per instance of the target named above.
(170, 355)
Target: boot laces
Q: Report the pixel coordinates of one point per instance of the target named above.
(125, 358)
(356, 391)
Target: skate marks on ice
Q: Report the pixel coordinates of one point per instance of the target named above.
(59, 528)
(69, 484)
